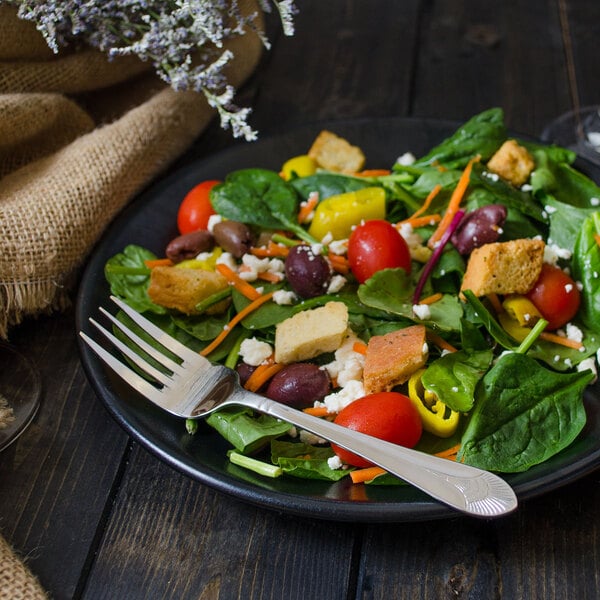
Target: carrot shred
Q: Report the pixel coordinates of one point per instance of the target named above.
(239, 317)
(307, 207)
(339, 263)
(449, 452)
(440, 342)
(158, 262)
(430, 197)
(423, 221)
(269, 277)
(372, 173)
(431, 299)
(237, 282)
(261, 375)
(597, 238)
(559, 339)
(366, 474)
(454, 203)
(317, 411)
(359, 347)
(495, 302)
(270, 251)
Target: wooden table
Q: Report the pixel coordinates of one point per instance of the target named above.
(96, 516)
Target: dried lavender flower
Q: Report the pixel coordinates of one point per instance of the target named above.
(183, 39)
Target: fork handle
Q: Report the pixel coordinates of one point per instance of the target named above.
(468, 489)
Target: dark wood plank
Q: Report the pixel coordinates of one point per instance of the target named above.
(170, 537)
(55, 480)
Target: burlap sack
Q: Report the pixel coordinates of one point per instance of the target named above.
(79, 136)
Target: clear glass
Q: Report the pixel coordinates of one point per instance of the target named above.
(577, 130)
(20, 393)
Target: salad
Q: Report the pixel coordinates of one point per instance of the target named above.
(447, 303)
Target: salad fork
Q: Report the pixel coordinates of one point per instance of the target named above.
(193, 387)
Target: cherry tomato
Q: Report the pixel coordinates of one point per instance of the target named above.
(195, 209)
(389, 416)
(376, 245)
(556, 296)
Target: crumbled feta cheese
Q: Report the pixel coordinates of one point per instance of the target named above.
(595, 201)
(336, 401)
(284, 297)
(212, 221)
(422, 311)
(338, 247)
(552, 253)
(253, 266)
(526, 187)
(227, 259)
(574, 333)
(550, 209)
(335, 462)
(491, 176)
(327, 239)
(589, 363)
(406, 159)
(336, 284)
(316, 249)
(306, 437)
(254, 352)
(348, 364)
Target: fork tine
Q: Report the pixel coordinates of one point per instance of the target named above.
(140, 384)
(159, 335)
(133, 356)
(156, 354)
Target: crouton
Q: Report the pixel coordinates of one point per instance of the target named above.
(334, 153)
(311, 332)
(512, 162)
(504, 267)
(392, 358)
(183, 289)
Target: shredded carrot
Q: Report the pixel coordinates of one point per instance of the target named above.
(270, 251)
(158, 262)
(239, 317)
(440, 342)
(362, 475)
(269, 277)
(237, 282)
(317, 411)
(372, 173)
(339, 263)
(559, 339)
(449, 452)
(431, 299)
(307, 207)
(454, 203)
(495, 302)
(597, 238)
(359, 347)
(430, 197)
(416, 222)
(261, 375)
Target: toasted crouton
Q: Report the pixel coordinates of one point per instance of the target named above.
(512, 162)
(311, 332)
(183, 289)
(334, 153)
(392, 358)
(504, 267)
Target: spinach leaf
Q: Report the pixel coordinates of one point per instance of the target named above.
(244, 431)
(305, 461)
(129, 277)
(483, 134)
(566, 221)
(524, 414)
(453, 377)
(586, 269)
(258, 197)
(328, 184)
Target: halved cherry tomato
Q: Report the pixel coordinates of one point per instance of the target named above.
(388, 416)
(556, 296)
(376, 245)
(195, 209)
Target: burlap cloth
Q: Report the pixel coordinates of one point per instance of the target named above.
(79, 137)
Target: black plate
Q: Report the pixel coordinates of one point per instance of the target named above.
(150, 221)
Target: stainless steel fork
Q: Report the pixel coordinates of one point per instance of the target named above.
(195, 387)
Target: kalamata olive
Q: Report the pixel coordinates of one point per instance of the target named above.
(189, 245)
(234, 237)
(299, 385)
(479, 227)
(244, 371)
(307, 273)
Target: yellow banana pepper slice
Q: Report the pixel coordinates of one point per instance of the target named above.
(207, 264)
(301, 166)
(338, 214)
(436, 417)
(522, 310)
